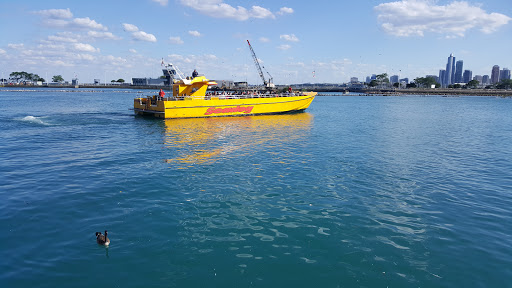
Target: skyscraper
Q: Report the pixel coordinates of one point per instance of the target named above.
(442, 78)
(468, 75)
(495, 75)
(485, 80)
(450, 70)
(504, 74)
(458, 71)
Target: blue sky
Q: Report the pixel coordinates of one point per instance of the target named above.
(335, 39)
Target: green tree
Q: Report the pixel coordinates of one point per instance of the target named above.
(382, 78)
(426, 82)
(473, 84)
(373, 83)
(17, 76)
(57, 78)
(505, 84)
(24, 76)
(120, 80)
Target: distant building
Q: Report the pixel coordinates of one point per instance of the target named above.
(368, 79)
(148, 81)
(479, 78)
(354, 80)
(505, 74)
(458, 71)
(225, 83)
(442, 78)
(241, 84)
(97, 81)
(450, 71)
(74, 82)
(495, 75)
(404, 80)
(393, 79)
(467, 76)
(486, 80)
(374, 77)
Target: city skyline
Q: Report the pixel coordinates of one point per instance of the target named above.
(296, 42)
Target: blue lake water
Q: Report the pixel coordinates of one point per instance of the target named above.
(355, 192)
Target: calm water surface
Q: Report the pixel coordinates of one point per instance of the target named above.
(356, 192)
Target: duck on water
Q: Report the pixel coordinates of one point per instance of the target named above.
(102, 239)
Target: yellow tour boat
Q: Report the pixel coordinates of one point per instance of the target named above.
(190, 100)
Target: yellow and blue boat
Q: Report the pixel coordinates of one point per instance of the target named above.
(190, 100)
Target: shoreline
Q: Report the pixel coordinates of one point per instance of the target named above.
(361, 92)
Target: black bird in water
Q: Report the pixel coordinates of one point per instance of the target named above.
(102, 239)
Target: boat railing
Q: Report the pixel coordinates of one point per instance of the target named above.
(226, 96)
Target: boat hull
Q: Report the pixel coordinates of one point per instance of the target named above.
(198, 108)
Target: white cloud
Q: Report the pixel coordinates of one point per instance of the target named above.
(57, 23)
(62, 18)
(285, 10)
(284, 47)
(205, 62)
(260, 12)
(132, 51)
(58, 63)
(143, 36)
(219, 9)
(2, 51)
(176, 40)
(87, 23)
(137, 34)
(46, 49)
(290, 38)
(16, 46)
(210, 57)
(85, 47)
(161, 2)
(264, 39)
(55, 13)
(194, 33)
(416, 17)
(114, 61)
(60, 38)
(87, 57)
(103, 35)
(130, 27)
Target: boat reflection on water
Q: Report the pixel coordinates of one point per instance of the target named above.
(207, 140)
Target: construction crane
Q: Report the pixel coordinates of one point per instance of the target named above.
(268, 84)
